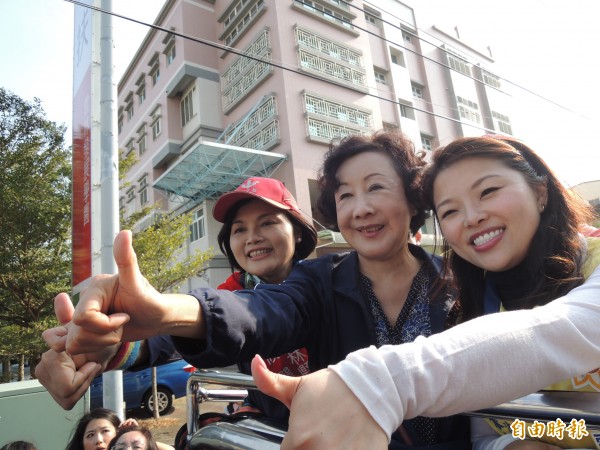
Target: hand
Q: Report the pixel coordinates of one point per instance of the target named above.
(65, 382)
(115, 308)
(65, 377)
(342, 420)
(128, 423)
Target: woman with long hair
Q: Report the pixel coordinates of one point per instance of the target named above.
(512, 241)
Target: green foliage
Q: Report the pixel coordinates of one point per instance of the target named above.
(18, 340)
(35, 217)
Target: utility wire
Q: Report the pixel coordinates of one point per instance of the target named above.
(477, 62)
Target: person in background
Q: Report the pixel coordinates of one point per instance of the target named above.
(94, 430)
(134, 437)
(385, 291)
(18, 445)
(97, 428)
(512, 238)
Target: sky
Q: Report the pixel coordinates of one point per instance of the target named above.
(544, 48)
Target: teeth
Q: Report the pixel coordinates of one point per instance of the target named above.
(487, 237)
(373, 228)
(256, 253)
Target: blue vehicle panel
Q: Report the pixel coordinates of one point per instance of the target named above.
(137, 386)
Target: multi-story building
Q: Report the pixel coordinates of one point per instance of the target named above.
(223, 90)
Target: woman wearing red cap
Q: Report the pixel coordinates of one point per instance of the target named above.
(264, 235)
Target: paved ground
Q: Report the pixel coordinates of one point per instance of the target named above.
(166, 427)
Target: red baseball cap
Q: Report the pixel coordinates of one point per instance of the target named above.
(274, 193)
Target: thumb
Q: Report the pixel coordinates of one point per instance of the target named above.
(125, 256)
(278, 386)
(63, 308)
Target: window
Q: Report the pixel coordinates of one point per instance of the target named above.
(170, 53)
(406, 109)
(502, 122)
(426, 142)
(380, 77)
(121, 203)
(155, 125)
(197, 226)
(398, 58)
(155, 75)
(236, 24)
(244, 74)
(468, 110)
(120, 122)
(142, 144)
(129, 105)
(332, 109)
(141, 88)
(141, 93)
(458, 62)
(187, 106)
(372, 17)
(129, 147)
(318, 7)
(156, 128)
(491, 79)
(417, 91)
(143, 189)
(130, 194)
(407, 37)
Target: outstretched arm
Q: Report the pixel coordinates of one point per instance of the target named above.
(113, 309)
(125, 307)
(517, 352)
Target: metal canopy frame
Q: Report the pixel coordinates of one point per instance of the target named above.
(209, 169)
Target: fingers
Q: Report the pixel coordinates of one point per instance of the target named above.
(92, 311)
(63, 308)
(56, 371)
(80, 340)
(125, 258)
(55, 338)
(281, 387)
(128, 423)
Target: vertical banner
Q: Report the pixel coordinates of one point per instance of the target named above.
(82, 146)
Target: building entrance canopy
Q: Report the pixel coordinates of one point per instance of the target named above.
(209, 169)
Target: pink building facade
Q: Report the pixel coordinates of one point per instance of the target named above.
(229, 89)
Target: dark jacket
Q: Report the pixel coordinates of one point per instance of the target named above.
(319, 306)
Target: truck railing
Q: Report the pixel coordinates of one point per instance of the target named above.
(541, 406)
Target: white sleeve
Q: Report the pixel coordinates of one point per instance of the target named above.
(478, 364)
(484, 437)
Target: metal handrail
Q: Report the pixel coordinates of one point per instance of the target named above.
(197, 394)
(543, 405)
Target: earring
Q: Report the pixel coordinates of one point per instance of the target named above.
(298, 239)
(542, 207)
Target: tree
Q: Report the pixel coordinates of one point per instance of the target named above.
(35, 194)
